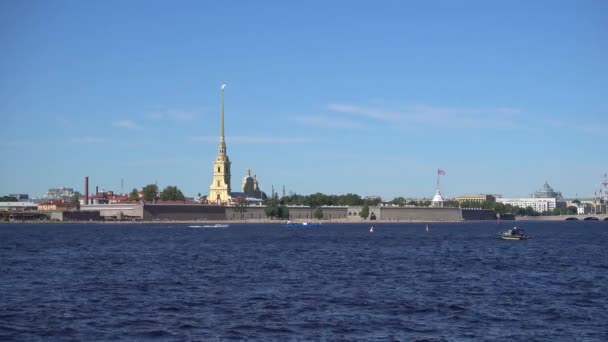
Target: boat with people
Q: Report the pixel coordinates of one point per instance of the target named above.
(217, 225)
(302, 224)
(513, 234)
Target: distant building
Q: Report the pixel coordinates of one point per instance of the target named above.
(21, 197)
(59, 194)
(479, 198)
(107, 197)
(582, 208)
(251, 187)
(251, 190)
(17, 206)
(547, 192)
(538, 204)
(56, 205)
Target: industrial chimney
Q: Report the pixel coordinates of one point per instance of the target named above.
(86, 190)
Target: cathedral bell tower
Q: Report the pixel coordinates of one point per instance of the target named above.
(219, 191)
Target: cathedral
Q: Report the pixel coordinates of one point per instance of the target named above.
(220, 191)
(251, 188)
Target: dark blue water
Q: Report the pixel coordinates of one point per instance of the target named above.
(457, 282)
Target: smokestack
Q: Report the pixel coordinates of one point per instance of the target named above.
(86, 190)
(97, 190)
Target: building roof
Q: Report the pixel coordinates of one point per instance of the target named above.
(17, 204)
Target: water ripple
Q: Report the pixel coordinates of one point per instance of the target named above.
(256, 282)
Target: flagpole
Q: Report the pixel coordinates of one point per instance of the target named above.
(437, 179)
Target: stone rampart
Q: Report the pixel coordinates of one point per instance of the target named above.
(420, 214)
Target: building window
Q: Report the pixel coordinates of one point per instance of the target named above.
(218, 169)
(218, 183)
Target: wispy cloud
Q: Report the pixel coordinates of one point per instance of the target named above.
(256, 139)
(499, 117)
(128, 124)
(88, 140)
(369, 112)
(327, 122)
(173, 115)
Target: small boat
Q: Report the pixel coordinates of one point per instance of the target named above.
(513, 234)
(217, 225)
(371, 230)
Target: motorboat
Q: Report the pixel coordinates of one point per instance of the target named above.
(303, 224)
(513, 234)
(217, 225)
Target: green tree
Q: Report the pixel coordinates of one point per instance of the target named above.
(364, 211)
(172, 193)
(284, 212)
(272, 207)
(134, 195)
(571, 210)
(399, 201)
(8, 199)
(150, 192)
(240, 206)
(318, 213)
(75, 201)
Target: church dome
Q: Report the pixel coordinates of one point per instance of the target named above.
(547, 192)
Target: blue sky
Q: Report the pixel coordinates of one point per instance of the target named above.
(322, 96)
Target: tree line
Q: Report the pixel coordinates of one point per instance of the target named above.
(151, 193)
(318, 199)
(277, 208)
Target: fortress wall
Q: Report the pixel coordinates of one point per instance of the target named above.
(300, 213)
(111, 211)
(250, 213)
(478, 214)
(333, 213)
(183, 212)
(420, 214)
(91, 215)
(295, 213)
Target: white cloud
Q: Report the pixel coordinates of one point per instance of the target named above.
(500, 117)
(255, 140)
(173, 115)
(327, 122)
(370, 112)
(128, 124)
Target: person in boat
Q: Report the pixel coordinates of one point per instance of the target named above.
(514, 231)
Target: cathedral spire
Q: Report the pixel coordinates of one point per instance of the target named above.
(222, 119)
(219, 191)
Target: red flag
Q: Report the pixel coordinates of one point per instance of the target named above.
(441, 172)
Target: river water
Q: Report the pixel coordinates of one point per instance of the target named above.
(456, 282)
